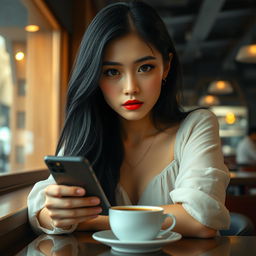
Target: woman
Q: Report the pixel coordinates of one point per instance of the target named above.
(123, 115)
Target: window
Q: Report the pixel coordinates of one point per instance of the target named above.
(30, 84)
(20, 155)
(21, 87)
(20, 120)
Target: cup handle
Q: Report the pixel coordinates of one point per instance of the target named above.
(163, 232)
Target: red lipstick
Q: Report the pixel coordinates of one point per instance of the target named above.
(132, 104)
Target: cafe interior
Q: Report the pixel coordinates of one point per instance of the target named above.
(216, 44)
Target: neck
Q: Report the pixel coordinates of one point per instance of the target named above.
(136, 131)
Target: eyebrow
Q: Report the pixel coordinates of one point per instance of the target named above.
(113, 63)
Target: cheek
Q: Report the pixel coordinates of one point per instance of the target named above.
(154, 84)
(108, 90)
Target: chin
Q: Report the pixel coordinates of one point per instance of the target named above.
(134, 116)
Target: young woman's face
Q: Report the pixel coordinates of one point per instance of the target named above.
(132, 76)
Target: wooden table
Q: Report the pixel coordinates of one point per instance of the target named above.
(241, 182)
(243, 178)
(81, 243)
(239, 198)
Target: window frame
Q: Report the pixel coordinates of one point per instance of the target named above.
(14, 181)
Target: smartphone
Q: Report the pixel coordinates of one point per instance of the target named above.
(77, 171)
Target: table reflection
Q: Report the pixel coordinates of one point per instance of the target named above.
(81, 243)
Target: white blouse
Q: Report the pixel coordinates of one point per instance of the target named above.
(197, 177)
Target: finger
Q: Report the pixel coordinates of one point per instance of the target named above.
(71, 202)
(62, 190)
(61, 223)
(74, 213)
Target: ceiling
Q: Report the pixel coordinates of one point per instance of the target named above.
(208, 35)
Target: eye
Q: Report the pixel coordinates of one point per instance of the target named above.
(146, 68)
(111, 72)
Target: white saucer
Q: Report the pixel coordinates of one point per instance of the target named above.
(107, 237)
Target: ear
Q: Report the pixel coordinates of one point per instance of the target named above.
(167, 66)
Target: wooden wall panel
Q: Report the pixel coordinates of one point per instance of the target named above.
(42, 106)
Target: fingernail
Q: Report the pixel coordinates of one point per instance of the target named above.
(80, 191)
(95, 200)
(99, 210)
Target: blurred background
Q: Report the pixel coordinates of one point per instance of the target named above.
(215, 40)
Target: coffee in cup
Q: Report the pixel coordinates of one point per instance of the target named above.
(138, 222)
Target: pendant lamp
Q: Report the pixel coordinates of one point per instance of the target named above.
(209, 100)
(247, 54)
(220, 87)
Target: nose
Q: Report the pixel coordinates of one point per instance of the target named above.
(131, 85)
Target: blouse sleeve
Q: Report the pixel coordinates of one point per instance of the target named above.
(203, 178)
(36, 200)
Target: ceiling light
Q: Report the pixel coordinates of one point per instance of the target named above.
(247, 54)
(32, 28)
(209, 100)
(19, 56)
(220, 87)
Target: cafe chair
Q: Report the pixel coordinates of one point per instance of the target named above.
(240, 225)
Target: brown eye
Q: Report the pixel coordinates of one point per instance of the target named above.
(146, 68)
(111, 72)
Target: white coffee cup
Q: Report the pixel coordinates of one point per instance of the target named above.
(138, 222)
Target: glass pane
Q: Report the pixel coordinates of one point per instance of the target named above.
(29, 85)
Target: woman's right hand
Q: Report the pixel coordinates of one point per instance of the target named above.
(67, 205)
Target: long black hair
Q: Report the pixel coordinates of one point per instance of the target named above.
(91, 127)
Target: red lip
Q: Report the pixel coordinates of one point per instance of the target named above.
(132, 104)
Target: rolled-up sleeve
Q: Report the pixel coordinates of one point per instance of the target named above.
(203, 178)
